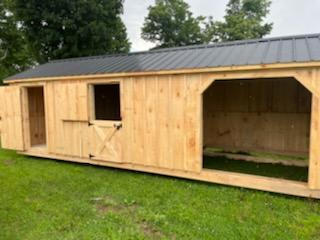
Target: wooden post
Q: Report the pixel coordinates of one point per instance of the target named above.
(310, 79)
(314, 164)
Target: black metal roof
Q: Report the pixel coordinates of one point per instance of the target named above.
(302, 48)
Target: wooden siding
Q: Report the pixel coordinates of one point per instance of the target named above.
(157, 113)
(67, 111)
(11, 118)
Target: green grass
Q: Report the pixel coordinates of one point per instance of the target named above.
(262, 169)
(275, 156)
(46, 199)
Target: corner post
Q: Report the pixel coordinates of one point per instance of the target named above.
(314, 156)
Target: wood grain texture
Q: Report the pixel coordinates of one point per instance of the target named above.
(11, 118)
(314, 163)
(160, 131)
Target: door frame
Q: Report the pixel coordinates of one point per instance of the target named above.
(25, 115)
(93, 123)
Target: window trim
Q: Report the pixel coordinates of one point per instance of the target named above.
(91, 104)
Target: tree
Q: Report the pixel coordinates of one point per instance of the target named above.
(15, 54)
(73, 28)
(244, 19)
(170, 23)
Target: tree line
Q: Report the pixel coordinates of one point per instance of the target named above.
(36, 31)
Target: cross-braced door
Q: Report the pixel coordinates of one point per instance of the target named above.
(105, 141)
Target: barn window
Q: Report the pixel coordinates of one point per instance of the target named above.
(107, 102)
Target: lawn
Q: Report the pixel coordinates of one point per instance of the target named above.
(46, 199)
(262, 169)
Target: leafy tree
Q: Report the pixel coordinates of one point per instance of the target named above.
(72, 28)
(244, 19)
(15, 54)
(170, 23)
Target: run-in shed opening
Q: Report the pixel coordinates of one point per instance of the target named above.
(257, 126)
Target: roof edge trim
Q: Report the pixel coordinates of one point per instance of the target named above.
(175, 71)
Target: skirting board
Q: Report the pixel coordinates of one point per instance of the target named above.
(269, 184)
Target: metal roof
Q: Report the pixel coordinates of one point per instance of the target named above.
(302, 48)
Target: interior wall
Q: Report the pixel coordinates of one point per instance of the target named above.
(271, 115)
(36, 116)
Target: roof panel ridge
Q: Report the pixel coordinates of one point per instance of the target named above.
(266, 51)
(308, 49)
(279, 51)
(294, 54)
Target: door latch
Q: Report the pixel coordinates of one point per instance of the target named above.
(117, 126)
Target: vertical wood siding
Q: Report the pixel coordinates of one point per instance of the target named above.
(160, 117)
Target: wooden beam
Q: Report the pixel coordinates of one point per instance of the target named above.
(310, 80)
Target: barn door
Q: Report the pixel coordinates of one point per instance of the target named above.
(105, 141)
(11, 118)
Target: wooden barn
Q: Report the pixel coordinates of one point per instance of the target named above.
(161, 111)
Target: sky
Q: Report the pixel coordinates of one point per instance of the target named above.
(290, 17)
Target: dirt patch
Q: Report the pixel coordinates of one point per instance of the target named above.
(8, 162)
(131, 208)
(103, 208)
(108, 204)
(150, 231)
(316, 233)
(105, 205)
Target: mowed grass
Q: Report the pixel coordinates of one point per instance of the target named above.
(46, 199)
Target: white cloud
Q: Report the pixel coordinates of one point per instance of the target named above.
(290, 17)
(134, 13)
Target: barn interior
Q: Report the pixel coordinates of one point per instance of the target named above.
(257, 126)
(36, 113)
(107, 102)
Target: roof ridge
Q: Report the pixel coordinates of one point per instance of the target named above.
(191, 47)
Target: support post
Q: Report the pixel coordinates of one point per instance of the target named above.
(314, 164)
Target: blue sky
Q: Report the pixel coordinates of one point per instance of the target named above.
(290, 17)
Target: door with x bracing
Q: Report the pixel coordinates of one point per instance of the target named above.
(105, 141)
